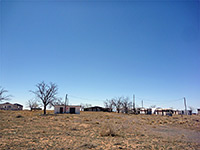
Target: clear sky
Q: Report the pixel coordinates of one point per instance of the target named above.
(97, 50)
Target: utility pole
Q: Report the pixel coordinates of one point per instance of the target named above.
(185, 106)
(133, 102)
(142, 103)
(66, 102)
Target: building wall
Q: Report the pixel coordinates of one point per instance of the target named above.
(176, 112)
(158, 112)
(19, 107)
(57, 109)
(142, 111)
(77, 110)
(149, 111)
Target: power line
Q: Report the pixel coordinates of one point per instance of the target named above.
(82, 98)
(162, 101)
(148, 101)
(144, 99)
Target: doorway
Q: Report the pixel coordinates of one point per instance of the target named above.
(61, 110)
(72, 110)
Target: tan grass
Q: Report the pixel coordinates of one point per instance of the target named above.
(33, 130)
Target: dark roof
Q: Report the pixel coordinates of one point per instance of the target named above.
(95, 107)
(18, 104)
(68, 105)
(6, 103)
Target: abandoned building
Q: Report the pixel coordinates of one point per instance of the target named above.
(97, 108)
(145, 111)
(164, 112)
(177, 112)
(34, 109)
(189, 112)
(198, 111)
(9, 106)
(69, 109)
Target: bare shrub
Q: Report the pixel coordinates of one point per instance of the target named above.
(19, 116)
(88, 146)
(108, 129)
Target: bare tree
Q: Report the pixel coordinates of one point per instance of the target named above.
(46, 94)
(117, 103)
(57, 102)
(82, 106)
(109, 104)
(32, 104)
(2, 96)
(85, 106)
(126, 104)
(153, 106)
(88, 105)
(192, 108)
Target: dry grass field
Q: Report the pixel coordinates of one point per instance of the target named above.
(97, 130)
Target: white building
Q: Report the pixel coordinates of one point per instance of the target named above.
(143, 111)
(164, 112)
(70, 109)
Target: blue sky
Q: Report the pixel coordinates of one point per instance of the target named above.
(99, 50)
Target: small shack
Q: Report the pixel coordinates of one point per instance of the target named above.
(198, 111)
(158, 111)
(97, 108)
(69, 109)
(137, 111)
(177, 112)
(143, 111)
(164, 112)
(149, 111)
(189, 112)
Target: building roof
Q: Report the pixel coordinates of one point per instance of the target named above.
(164, 109)
(95, 107)
(18, 104)
(68, 105)
(6, 103)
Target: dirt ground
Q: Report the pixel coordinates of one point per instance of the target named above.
(97, 130)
